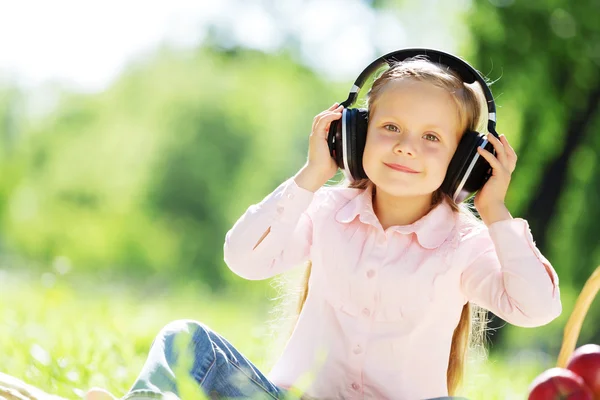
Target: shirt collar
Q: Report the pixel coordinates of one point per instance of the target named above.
(431, 230)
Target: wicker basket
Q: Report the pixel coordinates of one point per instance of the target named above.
(573, 327)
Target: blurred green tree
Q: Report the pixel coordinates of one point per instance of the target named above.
(544, 59)
(550, 87)
(149, 175)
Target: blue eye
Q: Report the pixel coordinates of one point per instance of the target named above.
(431, 137)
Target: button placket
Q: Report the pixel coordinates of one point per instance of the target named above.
(358, 348)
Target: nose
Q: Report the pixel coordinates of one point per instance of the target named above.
(405, 145)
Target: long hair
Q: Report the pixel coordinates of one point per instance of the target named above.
(469, 334)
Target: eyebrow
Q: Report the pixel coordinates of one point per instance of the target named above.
(434, 126)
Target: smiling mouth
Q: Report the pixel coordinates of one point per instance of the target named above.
(401, 168)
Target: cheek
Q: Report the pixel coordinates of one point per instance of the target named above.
(378, 143)
(438, 157)
(373, 146)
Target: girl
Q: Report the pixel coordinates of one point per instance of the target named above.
(394, 263)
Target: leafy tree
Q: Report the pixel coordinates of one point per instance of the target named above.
(149, 175)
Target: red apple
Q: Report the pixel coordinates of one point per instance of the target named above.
(559, 384)
(585, 362)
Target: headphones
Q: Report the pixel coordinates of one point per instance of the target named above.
(467, 171)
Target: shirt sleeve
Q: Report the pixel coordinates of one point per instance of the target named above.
(283, 214)
(507, 275)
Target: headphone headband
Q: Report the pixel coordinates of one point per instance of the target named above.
(467, 171)
(466, 72)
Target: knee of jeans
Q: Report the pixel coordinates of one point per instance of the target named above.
(183, 326)
(186, 327)
(185, 332)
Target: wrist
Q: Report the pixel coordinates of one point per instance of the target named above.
(494, 213)
(309, 179)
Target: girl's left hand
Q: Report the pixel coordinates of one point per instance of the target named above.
(503, 164)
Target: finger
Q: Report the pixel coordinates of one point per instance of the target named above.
(333, 108)
(331, 116)
(509, 149)
(323, 124)
(493, 161)
(508, 158)
(328, 116)
(319, 115)
(499, 147)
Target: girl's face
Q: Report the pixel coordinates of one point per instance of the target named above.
(413, 131)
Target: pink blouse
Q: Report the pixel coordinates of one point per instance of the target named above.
(382, 305)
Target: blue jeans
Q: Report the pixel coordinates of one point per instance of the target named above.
(187, 359)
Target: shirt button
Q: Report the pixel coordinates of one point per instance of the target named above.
(357, 349)
(370, 273)
(366, 312)
(279, 209)
(290, 196)
(355, 386)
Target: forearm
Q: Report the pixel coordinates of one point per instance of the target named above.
(309, 179)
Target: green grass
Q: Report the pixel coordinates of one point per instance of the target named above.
(65, 335)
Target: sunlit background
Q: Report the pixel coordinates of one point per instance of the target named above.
(133, 134)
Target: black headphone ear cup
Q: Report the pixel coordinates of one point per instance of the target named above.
(481, 170)
(459, 164)
(334, 141)
(358, 121)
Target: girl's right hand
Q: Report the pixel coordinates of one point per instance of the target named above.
(321, 166)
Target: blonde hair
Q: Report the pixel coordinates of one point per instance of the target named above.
(469, 334)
